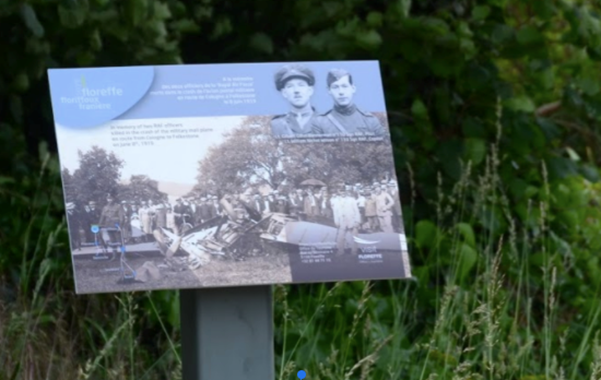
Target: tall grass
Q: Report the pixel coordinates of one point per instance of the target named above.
(499, 322)
(481, 308)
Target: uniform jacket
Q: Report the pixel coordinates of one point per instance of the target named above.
(112, 214)
(347, 120)
(288, 125)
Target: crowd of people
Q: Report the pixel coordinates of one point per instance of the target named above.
(376, 204)
(355, 208)
(136, 220)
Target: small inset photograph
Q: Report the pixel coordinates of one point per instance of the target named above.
(340, 116)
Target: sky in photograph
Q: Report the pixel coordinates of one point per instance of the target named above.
(173, 161)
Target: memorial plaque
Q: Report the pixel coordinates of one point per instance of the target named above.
(197, 176)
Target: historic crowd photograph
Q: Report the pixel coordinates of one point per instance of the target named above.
(135, 218)
(241, 211)
(334, 208)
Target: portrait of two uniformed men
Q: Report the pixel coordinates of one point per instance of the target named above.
(296, 83)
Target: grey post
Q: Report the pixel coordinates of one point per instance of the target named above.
(227, 333)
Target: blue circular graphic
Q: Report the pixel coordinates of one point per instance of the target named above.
(301, 374)
(95, 229)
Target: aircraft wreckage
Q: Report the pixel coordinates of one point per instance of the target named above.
(244, 232)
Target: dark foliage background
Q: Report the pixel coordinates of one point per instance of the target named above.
(508, 86)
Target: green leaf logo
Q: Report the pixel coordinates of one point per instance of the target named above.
(83, 81)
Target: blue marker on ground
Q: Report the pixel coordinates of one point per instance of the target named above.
(301, 374)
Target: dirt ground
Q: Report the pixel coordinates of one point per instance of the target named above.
(91, 275)
(274, 269)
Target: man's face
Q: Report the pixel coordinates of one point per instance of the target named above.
(297, 92)
(342, 91)
(110, 201)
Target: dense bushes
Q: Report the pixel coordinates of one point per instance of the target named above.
(494, 109)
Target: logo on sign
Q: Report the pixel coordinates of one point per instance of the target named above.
(84, 98)
(92, 98)
(363, 241)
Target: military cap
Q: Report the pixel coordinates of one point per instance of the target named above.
(203, 199)
(293, 71)
(337, 74)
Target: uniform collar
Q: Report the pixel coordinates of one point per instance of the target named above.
(345, 110)
(302, 114)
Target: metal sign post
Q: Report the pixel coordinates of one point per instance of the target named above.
(227, 333)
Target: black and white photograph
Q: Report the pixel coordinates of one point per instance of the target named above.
(297, 84)
(250, 209)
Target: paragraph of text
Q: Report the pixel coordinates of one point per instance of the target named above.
(149, 134)
(311, 254)
(231, 90)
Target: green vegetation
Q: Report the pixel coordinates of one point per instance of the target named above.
(494, 109)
